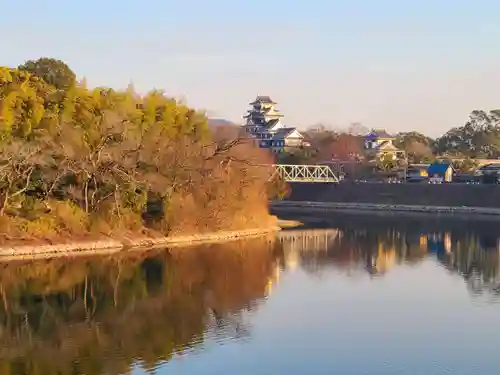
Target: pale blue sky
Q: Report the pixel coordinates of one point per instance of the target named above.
(396, 64)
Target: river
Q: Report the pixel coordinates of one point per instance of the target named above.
(352, 296)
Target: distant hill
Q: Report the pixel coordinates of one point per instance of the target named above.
(224, 129)
(216, 122)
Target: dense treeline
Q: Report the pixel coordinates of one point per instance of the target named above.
(77, 160)
(478, 138)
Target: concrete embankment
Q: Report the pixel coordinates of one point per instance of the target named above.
(431, 195)
(109, 246)
(377, 198)
(320, 208)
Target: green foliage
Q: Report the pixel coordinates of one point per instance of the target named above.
(387, 162)
(25, 103)
(55, 72)
(419, 148)
(478, 138)
(465, 165)
(405, 140)
(428, 159)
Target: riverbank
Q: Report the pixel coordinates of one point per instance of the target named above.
(318, 208)
(109, 246)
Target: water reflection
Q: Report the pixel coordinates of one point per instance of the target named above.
(109, 315)
(357, 246)
(103, 315)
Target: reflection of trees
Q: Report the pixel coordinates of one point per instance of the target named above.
(375, 247)
(101, 315)
(476, 258)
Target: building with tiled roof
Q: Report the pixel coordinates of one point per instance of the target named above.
(378, 143)
(263, 122)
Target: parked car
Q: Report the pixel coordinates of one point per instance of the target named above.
(436, 180)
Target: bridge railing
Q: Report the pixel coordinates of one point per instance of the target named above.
(305, 173)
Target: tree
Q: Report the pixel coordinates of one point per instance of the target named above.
(387, 162)
(465, 165)
(55, 72)
(356, 128)
(18, 162)
(418, 151)
(479, 137)
(297, 156)
(106, 158)
(26, 103)
(320, 139)
(347, 147)
(417, 146)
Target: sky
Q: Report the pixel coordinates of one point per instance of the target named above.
(399, 65)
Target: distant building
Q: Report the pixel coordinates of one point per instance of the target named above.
(378, 143)
(487, 169)
(263, 122)
(417, 171)
(440, 172)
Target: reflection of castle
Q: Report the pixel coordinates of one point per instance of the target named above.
(382, 260)
(313, 240)
(385, 258)
(296, 243)
(273, 280)
(292, 260)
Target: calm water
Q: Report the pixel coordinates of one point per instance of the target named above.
(354, 296)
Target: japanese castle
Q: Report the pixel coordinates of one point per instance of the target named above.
(263, 121)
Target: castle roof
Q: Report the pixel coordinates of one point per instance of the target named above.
(251, 113)
(263, 112)
(263, 99)
(270, 109)
(285, 132)
(271, 123)
(386, 146)
(379, 133)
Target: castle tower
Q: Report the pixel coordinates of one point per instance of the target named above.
(263, 124)
(263, 112)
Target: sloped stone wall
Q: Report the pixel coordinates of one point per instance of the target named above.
(453, 195)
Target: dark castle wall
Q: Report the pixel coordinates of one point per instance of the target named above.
(454, 195)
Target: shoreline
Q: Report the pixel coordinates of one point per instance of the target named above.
(111, 246)
(337, 207)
